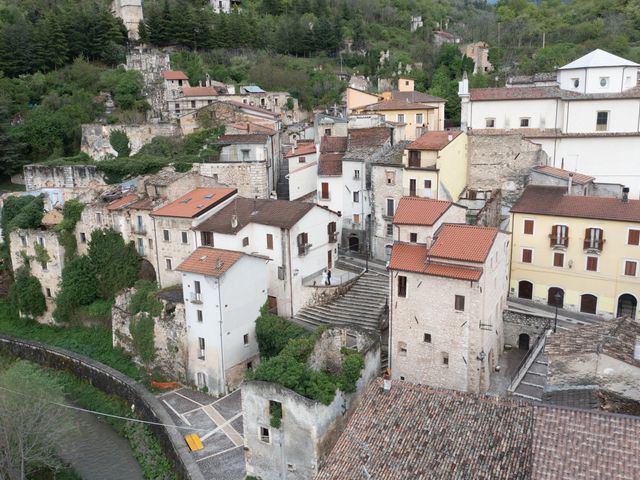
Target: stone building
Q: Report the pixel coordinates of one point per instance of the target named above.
(479, 53)
(172, 228)
(130, 11)
(67, 178)
(300, 445)
(227, 112)
(446, 303)
(221, 307)
(97, 144)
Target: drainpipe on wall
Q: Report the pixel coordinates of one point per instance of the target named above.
(290, 267)
(155, 239)
(222, 376)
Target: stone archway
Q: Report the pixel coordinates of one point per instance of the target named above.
(525, 289)
(354, 243)
(147, 272)
(627, 306)
(523, 341)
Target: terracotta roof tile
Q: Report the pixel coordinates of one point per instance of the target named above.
(536, 93)
(330, 164)
(143, 204)
(467, 243)
(249, 138)
(195, 203)
(123, 202)
(615, 338)
(553, 201)
(199, 92)
(249, 107)
(249, 128)
(277, 213)
(415, 97)
(419, 211)
(303, 149)
(210, 261)
(435, 140)
(333, 144)
(174, 75)
(411, 257)
(398, 105)
(368, 137)
(578, 178)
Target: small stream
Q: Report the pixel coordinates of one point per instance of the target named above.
(96, 451)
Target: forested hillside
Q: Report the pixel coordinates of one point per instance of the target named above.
(57, 55)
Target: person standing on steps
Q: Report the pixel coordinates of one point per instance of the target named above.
(324, 277)
(328, 277)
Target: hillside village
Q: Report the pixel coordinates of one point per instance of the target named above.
(360, 291)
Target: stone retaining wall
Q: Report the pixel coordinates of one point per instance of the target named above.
(147, 406)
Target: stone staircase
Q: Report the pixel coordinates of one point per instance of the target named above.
(531, 387)
(363, 305)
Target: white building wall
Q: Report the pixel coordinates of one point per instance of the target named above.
(354, 180)
(619, 79)
(336, 197)
(580, 116)
(507, 114)
(303, 177)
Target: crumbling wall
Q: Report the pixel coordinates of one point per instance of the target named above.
(170, 334)
(520, 323)
(130, 11)
(37, 177)
(151, 63)
(96, 143)
(250, 178)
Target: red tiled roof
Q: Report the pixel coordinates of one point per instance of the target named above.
(333, 144)
(412, 257)
(419, 211)
(415, 97)
(303, 149)
(435, 140)
(195, 202)
(330, 164)
(249, 127)
(199, 92)
(368, 137)
(122, 202)
(578, 178)
(513, 93)
(553, 201)
(249, 138)
(466, 243)
(249, 107)
(210, 261)
(397, 105)
(142, 204)
(174, 75)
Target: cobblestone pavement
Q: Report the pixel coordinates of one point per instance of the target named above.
(218, 423)
(96, 451)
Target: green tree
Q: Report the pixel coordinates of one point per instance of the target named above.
(116, 263)
(79, 287)
(26, 294)
(120, 142)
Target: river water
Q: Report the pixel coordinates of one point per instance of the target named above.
(96, 451)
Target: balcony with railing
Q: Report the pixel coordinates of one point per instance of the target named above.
(138, 229)
(304, 249)
(333, 237)
(593, 245)
(196, 297)
(418, 192)
(556, 241)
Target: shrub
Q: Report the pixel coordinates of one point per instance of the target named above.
(26, 294)
(141, 330)
(145, 299)
(274, 333)
(352, 365)
(71, 212)
(42, 256)
(116, 263)
(78, 287)
(120, 142)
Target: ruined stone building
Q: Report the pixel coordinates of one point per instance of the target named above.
(130, 11)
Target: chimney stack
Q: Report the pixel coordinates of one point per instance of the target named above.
(386, 381)
(429, 241)
(625, 195)
(570, 183)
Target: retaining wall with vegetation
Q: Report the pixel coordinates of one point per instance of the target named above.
(147, 406)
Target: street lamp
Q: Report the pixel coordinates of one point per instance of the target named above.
(557, 297)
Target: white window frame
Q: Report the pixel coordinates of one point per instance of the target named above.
(534, 226)
(586, 261)
(624, 264)
(528, 120)
(522, 249)
(488, 120)
(564, 258)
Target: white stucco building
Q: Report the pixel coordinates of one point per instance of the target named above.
(587, 120)
(221, 308)
(300, 240)
(303, 170)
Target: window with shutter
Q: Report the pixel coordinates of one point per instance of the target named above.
(558, 259)
(593, 239)
(592, 264)
(269, 241)
(528, 227)
(560, 236)
(588, 303)
(459, 303)
(527, 255)
(634, 237)
(630, 268)
(402, 286)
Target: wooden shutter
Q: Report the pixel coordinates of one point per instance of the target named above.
(554, 235)
(558, 259)
(592, 264)
(630, 268)
(565, 240)
(527, 255)
(587, 238)
(634, 237)
(325, 190)
(588, 303)
(528, 227)
(269, 241)
(459, 303)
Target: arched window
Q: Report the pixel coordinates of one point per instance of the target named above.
(555, 297)
(627, 305)
(525, 289)
(588, 303)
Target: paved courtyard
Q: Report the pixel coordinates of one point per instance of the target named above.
(218, 423)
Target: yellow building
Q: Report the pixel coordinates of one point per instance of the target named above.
(436, 166)
(356, 99)
(581, 252)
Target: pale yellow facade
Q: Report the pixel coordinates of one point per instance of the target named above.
(608, 283)
(446, 171)
(417, 121)
(358, 99)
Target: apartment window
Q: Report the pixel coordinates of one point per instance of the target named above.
(327, 132)
(265, 435)
(44, 266)
(324, 191)
(185, 237)
(356, 197)
(99, 218)
(528, 227)
(249, 365)
(140, 246)
(558, 259)
(332, 232)
(413, 237)
(356, 218)
(206, 239)
(168, 263)
(303, 241)
(302, 159)
(602, 121)
(489, 122)
(588, 303)
(389, 229)
(177, 107)
(419, 118)
(593, 239)
(193, 104)
(165, 235)
(24, 240)
(426, 338)
(196, 287)
(201, 348)
(199, 316)
(604, 81)
(48, 290)
(269, 241)
(150, 244)
(414, 159)
(402, 349)
(427, 184)
(459, 303)
(527, 255)
(630, 268)
(356, 174)
(402, 286)
(524, 122)
(592, 264)
(83, 237)
(391, 178)
(445, 359)
(245, 155)
(245, 339)
(634, 237)
(245, 242)
(559, 236)
(390, 207)
(401, 118)
(576, 82)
